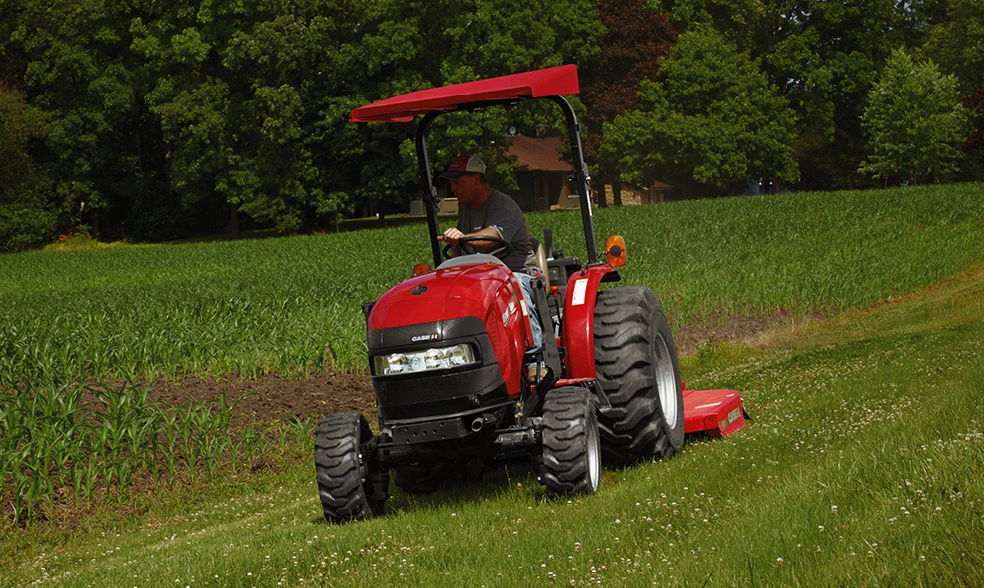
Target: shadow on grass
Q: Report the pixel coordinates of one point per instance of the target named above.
(516, 478)
(513, 477)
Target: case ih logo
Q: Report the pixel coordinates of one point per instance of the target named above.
(417, 338)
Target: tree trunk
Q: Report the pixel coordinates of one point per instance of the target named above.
(601, 199)
(617, 191)
(233, 219)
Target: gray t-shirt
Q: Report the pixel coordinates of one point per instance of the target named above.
(503, 214)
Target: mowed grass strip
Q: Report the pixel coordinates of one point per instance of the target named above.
(861, 466)
(293, 305)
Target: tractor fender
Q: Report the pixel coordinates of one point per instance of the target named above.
(578, 322)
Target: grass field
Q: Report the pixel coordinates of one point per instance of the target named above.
(861, 466)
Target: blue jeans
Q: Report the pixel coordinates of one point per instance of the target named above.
(526, 284)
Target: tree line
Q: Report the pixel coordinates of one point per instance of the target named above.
(160, 120)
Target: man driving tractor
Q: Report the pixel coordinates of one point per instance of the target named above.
(486, 212)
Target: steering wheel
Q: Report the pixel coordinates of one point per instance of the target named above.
(502, 251)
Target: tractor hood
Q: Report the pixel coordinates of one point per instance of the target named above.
(477, 303)
(448, 293)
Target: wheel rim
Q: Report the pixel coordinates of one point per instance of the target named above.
(666, 382)
(594, 458)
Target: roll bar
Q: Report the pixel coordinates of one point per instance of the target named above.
(551, 84)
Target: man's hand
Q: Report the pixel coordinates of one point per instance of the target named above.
(452, 236)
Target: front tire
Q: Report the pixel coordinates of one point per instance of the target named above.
(571, 444)
(344, 469)
(637, 368)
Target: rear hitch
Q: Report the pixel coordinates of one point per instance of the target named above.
(518, 440)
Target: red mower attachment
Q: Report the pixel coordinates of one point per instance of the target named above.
(715, 412)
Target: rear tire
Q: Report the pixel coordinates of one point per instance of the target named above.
(344, 469)
(571, 445)
(637, 368)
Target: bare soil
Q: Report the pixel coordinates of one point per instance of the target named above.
(272, 397)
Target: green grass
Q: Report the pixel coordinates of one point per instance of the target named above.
(826, 251)
(861, 466)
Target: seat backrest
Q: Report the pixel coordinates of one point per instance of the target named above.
(541, 261)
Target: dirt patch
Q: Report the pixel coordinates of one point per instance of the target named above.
(273, 397)
(747, 330)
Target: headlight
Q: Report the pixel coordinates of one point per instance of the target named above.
(439, 358)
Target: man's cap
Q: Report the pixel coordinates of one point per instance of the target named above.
(464, 164)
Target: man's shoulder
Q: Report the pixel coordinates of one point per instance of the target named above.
(503, 200)
(500, 195)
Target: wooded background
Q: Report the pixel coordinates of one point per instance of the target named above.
(150, 120)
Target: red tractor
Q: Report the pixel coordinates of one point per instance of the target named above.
(446, 352)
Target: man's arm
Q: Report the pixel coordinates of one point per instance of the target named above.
(454, 235)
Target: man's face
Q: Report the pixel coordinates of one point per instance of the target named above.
(465, 188)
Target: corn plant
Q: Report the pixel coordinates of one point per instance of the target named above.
(52, 441)
(40, 442)
(215, 436)
(166, 422)
(250, 442)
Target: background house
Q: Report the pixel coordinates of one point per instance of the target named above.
(543, 178)
(542, 174)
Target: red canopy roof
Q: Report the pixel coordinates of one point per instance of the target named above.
(554, 81)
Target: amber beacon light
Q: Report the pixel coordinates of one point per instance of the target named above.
(615, 250)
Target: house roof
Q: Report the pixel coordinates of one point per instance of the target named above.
(538, 154)
(553, 81)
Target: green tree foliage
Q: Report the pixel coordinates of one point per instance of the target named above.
(234, 89)
(74, 64)
(19, 123)
(736, 20)
(171, 119)
(636, 38)
(914, 120)
(956, 45)
(710, 123)
(27, 215)
(255, 114)
(823, 57)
